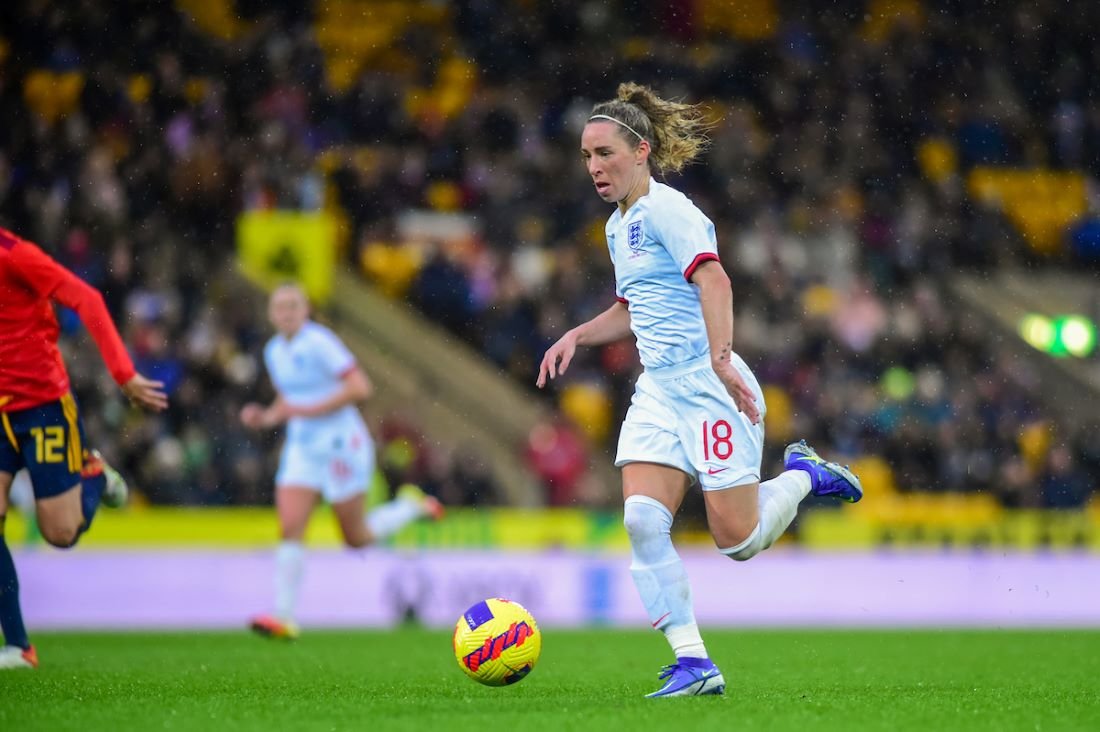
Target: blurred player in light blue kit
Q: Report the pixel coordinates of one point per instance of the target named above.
(697, 411)
(328, 451)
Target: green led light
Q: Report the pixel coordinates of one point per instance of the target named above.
(1060, 336)
(1038, 332)
(1077, 334)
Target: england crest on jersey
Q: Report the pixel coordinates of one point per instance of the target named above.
(634, 236)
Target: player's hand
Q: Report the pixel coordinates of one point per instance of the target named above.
(146, 392)
(258, 417)
(557, 358)
(742, 395)
(252, 415)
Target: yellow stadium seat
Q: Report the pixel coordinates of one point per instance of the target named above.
(744, 19)
(780, 416)
(393, 268)
(882, 16)
(875, 473)
(444, 196)
(589, 407)
(52, 96)
(819, 301)
(1034, 444)
(937, 159)
(216, 17)
(138, 88)
(1041, 204)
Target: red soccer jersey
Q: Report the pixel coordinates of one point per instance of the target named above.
(31, 369)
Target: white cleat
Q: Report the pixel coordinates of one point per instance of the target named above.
(16, 657)
(430, 507)
(115, 492)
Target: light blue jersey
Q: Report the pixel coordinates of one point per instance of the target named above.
(681, 414)
(308, 369)
(655, 248)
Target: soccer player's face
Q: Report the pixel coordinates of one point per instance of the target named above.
(614, 165)
(288, 310)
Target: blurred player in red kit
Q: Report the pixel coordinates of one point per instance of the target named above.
(40, 426)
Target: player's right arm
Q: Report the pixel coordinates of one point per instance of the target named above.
(257, 417)
(609, 326)
(354, 387)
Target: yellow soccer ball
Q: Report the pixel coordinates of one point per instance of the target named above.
(497, 642)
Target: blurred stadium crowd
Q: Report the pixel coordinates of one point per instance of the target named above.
(854, 167)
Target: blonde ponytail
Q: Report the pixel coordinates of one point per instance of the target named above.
(676, 132)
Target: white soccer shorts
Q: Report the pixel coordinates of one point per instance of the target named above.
(339, 466)
(682, 416)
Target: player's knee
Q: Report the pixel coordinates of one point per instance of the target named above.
(747, 548)
(61, 534)
(732, 533)
(358, 541)
(643, 521)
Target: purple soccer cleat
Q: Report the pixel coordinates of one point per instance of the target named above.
(690, 677)
(826, 479)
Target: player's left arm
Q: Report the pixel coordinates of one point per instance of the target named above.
(49, 279)
(716, 301)
(355, 387)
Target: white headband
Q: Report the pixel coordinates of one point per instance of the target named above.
(618, 122)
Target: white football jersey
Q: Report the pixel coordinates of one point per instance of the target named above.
(307, 369)
(655, 248)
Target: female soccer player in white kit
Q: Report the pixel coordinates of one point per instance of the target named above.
(697, 411)
(328, 451)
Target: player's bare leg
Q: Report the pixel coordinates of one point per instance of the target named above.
(61, 517)
(294, 505)
(17, 651)
(362, 529)
(652, 495)
(745, 520)
(732, 513)
(64, 517)
(351, 516)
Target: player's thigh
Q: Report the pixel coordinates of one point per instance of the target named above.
(50, 439)
(298, 484)
(351, 516)
(649, 452)
(61, 517)
(663, 483)
(732, 513)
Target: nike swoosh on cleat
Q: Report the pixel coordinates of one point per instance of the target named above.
(702, 682)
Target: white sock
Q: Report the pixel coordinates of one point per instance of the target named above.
(289, 568)
(389, 518)
(659, 575)
(779, 499)
(686, 641)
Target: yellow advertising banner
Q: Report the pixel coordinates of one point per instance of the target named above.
(289, 246)
(579, 529)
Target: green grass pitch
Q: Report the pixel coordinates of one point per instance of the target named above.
(586, 680)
